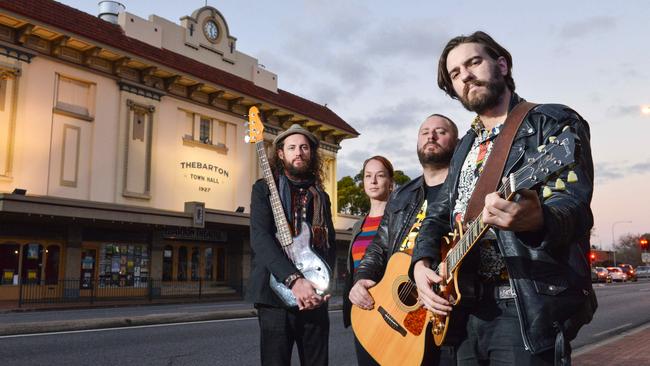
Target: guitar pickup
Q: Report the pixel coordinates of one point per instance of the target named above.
(391, 321)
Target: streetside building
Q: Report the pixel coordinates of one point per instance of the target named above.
(122, 154)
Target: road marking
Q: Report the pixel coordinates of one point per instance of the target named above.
(124, 328)
(611, 330)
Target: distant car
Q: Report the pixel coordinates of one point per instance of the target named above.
(601, 275)
(629, 271)
(617, 274)
(643, 272)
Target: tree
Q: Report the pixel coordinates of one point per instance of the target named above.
(352, 200)
(628, 249)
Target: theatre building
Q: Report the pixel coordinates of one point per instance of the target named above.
(123, 167)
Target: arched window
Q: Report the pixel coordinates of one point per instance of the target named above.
(195, 264)
(9, 259)
(182, 264)
(168, 263)
(32, 262)
(52, 255)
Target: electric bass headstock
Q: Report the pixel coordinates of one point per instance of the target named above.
(255, 130)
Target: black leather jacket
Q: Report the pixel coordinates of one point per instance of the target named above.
(549, 270)
(399, 216)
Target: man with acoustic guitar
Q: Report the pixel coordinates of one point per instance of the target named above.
(524, 280)
(437, 138)
(296, 169)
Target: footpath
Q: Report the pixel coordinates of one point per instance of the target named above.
(631, 347)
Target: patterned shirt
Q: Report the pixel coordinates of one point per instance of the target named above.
(363, 240)
(492, 264)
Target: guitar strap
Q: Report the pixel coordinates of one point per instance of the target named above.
(488, 181)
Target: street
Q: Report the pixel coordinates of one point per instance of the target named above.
(235, 342)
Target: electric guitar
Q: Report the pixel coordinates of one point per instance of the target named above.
(394, 331)
(298, 249)
(551, 160)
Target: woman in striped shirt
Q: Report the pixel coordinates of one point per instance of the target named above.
(377, 185)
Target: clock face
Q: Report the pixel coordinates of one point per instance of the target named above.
(211, 30)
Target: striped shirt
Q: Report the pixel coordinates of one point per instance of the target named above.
(363, 240)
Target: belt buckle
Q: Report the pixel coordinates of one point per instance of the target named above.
(505, 292)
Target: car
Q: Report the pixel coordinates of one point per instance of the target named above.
(643, 272)
(617, 274)
(602, 275)
(629, 271)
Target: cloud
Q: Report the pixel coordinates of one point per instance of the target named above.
(586, 27)
(608, 171)
(623, 110)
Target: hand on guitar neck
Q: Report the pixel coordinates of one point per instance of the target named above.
(360, 296)
(425, 279)
(306, 295)
(523, 214)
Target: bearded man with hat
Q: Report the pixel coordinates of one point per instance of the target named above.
(296, 167)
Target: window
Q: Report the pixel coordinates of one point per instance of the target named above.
(182, 264)
(205, 135)
(74, 98)
(9, 259)
(124, 265)
(221, 264)
(52, 255)
(32, 259)
(208, 264)
(168, 263)
(195, 264)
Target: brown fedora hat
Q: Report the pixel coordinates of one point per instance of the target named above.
(296, 128)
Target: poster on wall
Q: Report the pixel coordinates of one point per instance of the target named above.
(32, 251)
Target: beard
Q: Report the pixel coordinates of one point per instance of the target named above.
(435, 158)
(481, 103)
(301, 172)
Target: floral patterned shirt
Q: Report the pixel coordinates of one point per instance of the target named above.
(492, 265)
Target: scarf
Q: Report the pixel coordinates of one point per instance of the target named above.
(295, 198)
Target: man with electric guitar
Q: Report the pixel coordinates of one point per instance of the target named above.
(437, 138)
(293, 248)
(515, 270)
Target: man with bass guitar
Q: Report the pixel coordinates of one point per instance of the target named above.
(295, 166)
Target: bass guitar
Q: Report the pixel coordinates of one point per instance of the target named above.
(298, 249)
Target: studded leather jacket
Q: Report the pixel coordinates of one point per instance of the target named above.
(549, 270)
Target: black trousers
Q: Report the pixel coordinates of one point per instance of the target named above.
(280, 328)
(493, 337)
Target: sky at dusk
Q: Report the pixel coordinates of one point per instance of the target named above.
(374, 63)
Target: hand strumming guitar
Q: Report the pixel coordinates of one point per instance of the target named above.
(425, 279)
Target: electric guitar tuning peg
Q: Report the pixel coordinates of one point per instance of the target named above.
(547, 192)
(540, 148)
(552, 139)
(247, 139)
(572, 177)
(246, 124)
(559, 185)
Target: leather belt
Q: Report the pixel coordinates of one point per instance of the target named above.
(495, 291)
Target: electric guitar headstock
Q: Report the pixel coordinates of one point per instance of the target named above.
(553, 159)
(255, 130)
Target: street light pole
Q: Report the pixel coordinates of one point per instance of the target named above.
(613, 241)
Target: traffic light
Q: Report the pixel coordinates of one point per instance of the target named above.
(592, 256)
(643, 242)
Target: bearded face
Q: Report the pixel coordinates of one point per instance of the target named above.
(433, 153)
(482, 95)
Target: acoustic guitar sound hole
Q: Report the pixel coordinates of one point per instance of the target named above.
(408, 294)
